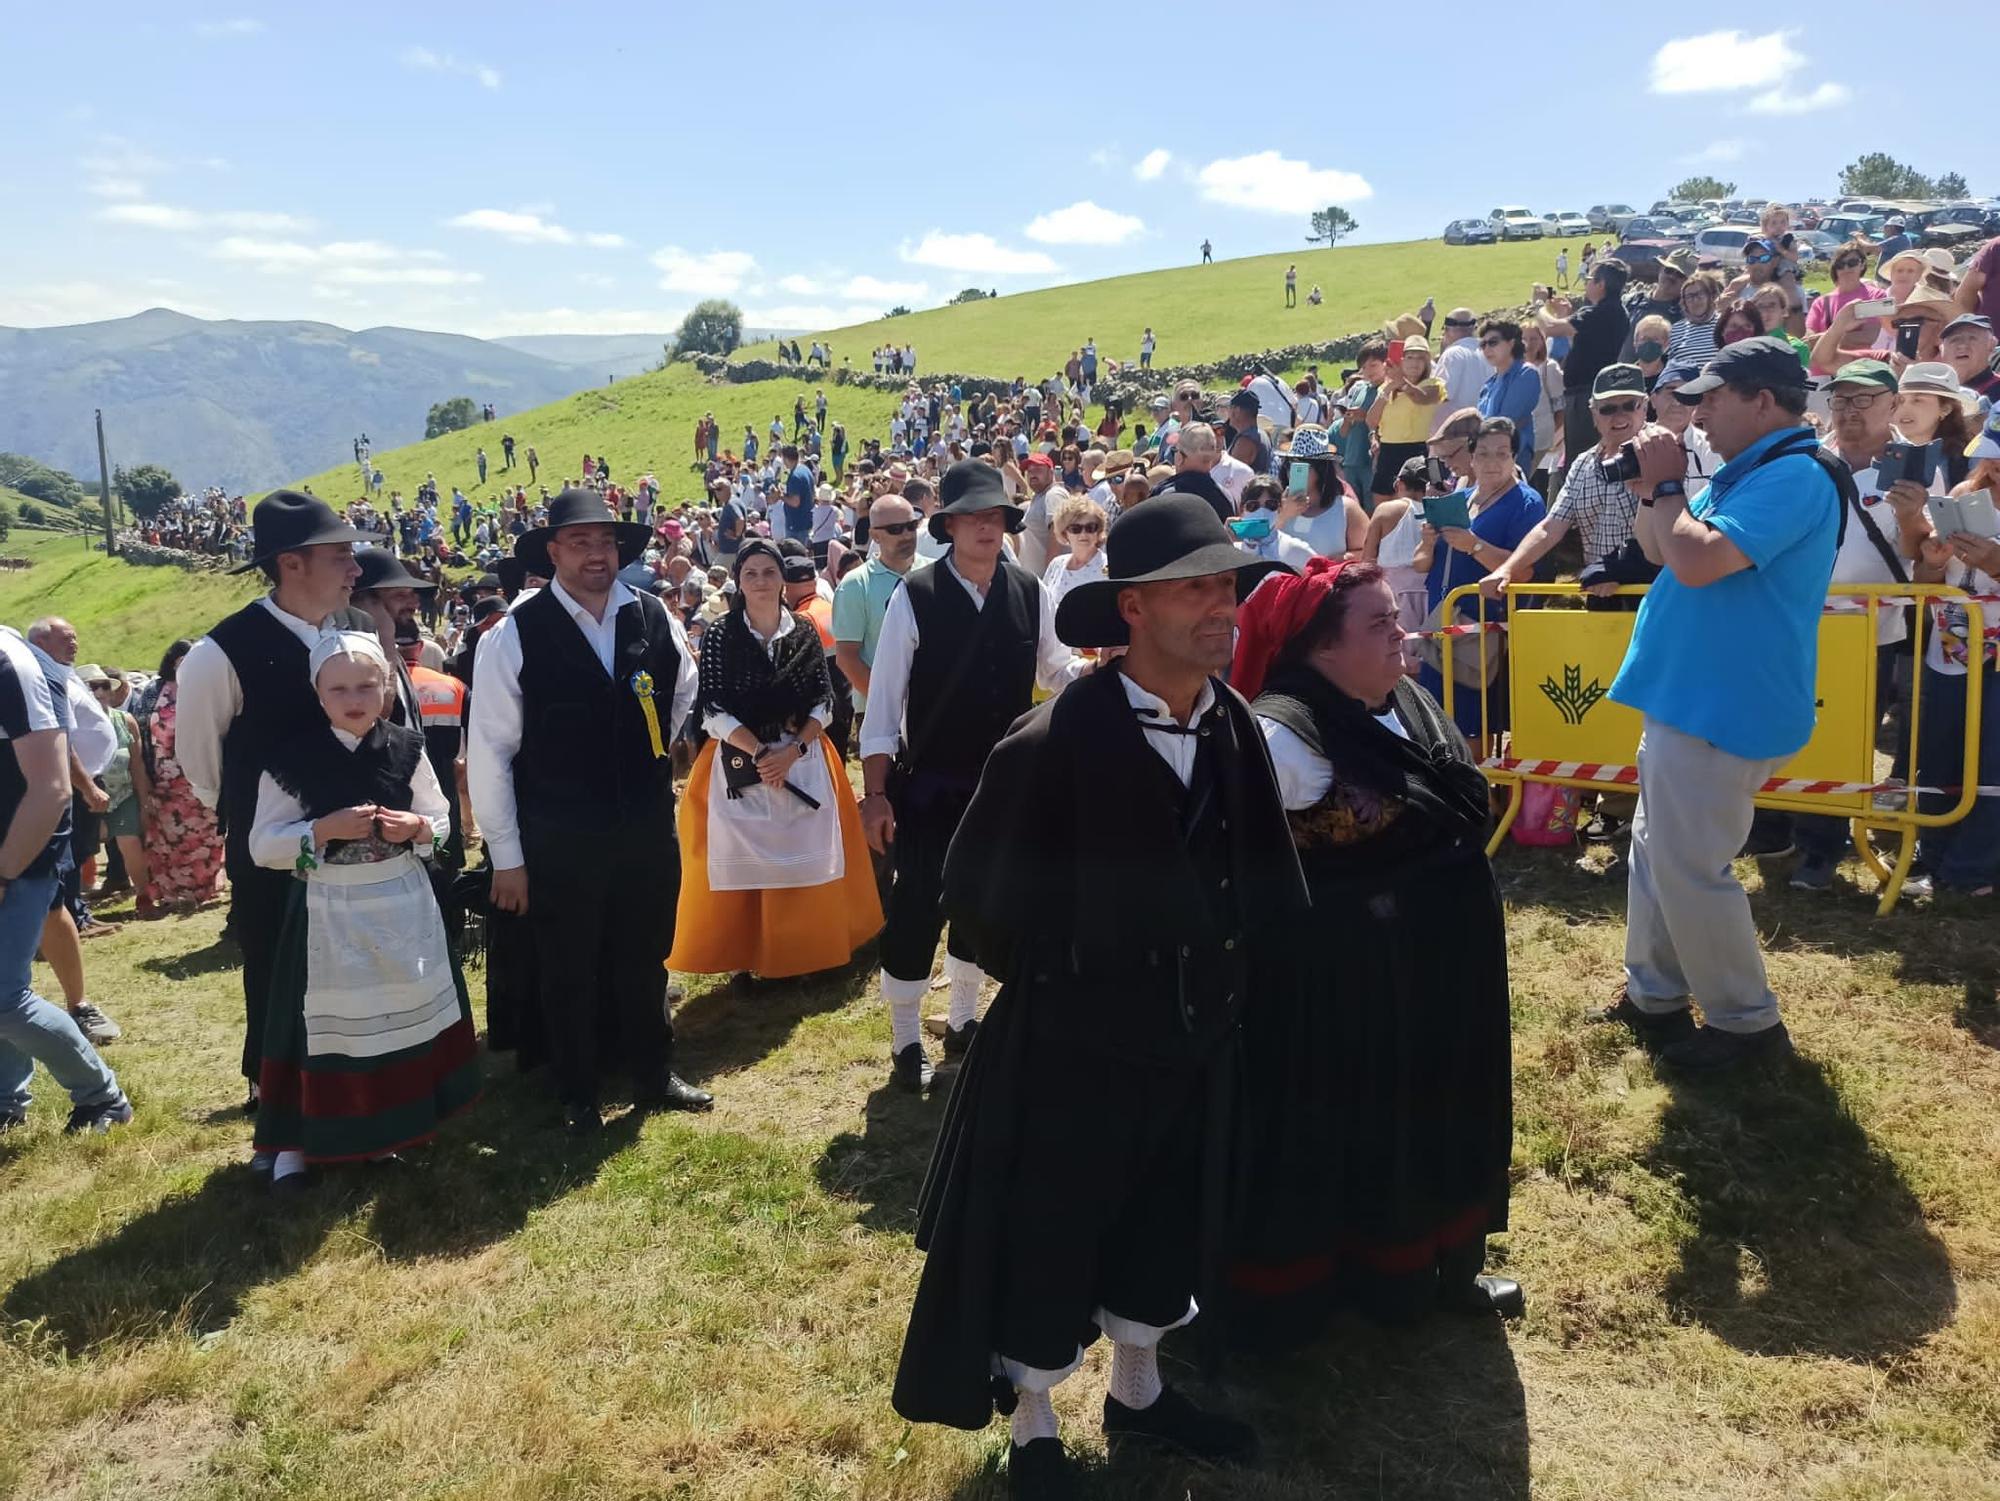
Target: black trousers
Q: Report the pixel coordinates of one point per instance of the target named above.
(601, 908)
(928, 810)
(257, 899)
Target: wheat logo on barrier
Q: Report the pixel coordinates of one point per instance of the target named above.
(1572, 698)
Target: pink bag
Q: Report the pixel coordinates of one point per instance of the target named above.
(1547, 816)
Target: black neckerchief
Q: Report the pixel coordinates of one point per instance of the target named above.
(772, 693)
(1431, 769)
(324, 775)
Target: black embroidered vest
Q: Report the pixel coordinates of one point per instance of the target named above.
(996, 688)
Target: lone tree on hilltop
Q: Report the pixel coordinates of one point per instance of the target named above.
(450, 417)
(713, 327)
(1694, 189)
(145, 489)
(1952, 185)
(970, 294)
(1880, 175)
(1329, 224)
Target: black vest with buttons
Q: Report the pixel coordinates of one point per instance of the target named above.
(586, 762)
(995, 688)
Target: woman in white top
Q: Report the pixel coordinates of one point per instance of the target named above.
(1079, 523)
(1393, 534)
(775, 875)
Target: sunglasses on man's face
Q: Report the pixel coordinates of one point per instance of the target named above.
(1454, 323)
(1493, 343)
(897, 528)
(1086, 528)
(1617, 408)
(1755, 260)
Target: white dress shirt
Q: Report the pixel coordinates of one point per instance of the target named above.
(494, 736)
(720, 724)
(281, 820)
(896, 648)
(210, 698)
(1303, 775)
(91, 736)
(1175, 748)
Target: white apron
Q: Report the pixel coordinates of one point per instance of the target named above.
(764, 838)
(378, 975)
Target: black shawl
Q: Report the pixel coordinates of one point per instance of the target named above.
(773, 694)
(325, 775)
(1432, 770)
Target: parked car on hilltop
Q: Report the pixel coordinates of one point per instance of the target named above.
(1647, 227)
(1848, 226)
(1470, 232)
(1569, 222)
(1515, 223)
(1611, 216)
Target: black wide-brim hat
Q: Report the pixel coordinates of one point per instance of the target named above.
(574, 507)
(1169, 537)
(969, 487)
(286, 520)
(382, 569)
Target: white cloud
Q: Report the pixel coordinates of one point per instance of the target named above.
(116, 187)
(874, 289)
(595, 279)
(530, 226)
(44, 304)
(341, 264)
(400, 276)
(800, 286)
(974, 252)
(167, 216)
(1715, 154)
(1152, 164)
(716, 274)
(814, 316)
(1720, 62)
(240, 26)
(1270, 183)
(1104, 156)
(1083, 223)
(428, 61)
(1782, 101)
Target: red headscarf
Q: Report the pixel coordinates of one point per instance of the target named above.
(1274, 613)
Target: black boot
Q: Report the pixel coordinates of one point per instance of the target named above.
(670, 1092)
(910, 1069)
(1464, 1287)
(1041, 1470)
(958, 1040)
(1173, 1422)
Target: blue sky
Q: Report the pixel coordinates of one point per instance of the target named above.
(594, 169)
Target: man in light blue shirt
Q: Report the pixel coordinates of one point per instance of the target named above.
(1723, 664)
(862, 600)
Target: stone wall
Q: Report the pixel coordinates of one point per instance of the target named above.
(134, 549)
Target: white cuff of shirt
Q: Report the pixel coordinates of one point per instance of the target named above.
(503, 852)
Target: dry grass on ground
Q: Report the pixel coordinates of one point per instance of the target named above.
(1778, 1288)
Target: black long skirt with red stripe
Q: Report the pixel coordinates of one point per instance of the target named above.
(1380, 1093)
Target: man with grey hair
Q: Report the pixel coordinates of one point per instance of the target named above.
(1460, 365)
(1196, 456)
(862, 600)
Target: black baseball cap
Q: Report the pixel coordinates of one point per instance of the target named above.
(1762, 363)
(1246, 399)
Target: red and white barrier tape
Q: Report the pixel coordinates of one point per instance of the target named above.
(1628, 776)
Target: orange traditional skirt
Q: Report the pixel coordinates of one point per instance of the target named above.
(795, 930)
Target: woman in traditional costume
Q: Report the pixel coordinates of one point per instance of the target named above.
(369, 1044)
(1381, 1142)
(775, 876)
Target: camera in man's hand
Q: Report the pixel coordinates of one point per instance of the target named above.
(1620, 470)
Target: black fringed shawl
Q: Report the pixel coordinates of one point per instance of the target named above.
(772, 694)
(325, 775)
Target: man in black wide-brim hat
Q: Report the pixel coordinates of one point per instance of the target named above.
(962, 646)
(1125, 847)
(579, 690)
(243, 689)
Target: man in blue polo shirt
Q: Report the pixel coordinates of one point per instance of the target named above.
(800, 490)
(1723, 665)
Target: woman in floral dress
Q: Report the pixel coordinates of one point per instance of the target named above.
(182, 841)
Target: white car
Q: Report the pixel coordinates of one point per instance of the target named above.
(1724, 242)
(1571, 223)
(1515, 224)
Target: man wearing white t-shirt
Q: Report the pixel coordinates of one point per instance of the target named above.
(1460, 365)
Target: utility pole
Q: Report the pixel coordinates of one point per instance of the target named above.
(104, 489)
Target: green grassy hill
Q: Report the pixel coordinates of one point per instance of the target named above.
(640, 425)
(1204, 312)
(124, 616)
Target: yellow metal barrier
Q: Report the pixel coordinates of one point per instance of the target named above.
(1564, 730)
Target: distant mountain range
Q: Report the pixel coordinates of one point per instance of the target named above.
(250, 405)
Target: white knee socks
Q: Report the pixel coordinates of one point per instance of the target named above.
(906, 1001)
(965, 977)
(1135, 1374)
(1034, 1417)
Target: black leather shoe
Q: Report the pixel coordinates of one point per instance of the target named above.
(672, 1093)
(1711, 1050)
(1175, 1423)
(1484, 1295)
(1041, 1470)
(582, 1120)
(958, 1040)
(1654, 1032)
(250, 1103)
(910, 1069)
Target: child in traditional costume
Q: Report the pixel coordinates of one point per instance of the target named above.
(368, 1044)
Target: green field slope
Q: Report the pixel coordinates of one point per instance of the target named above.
(1204, 312)
(640, 425)
(124, 616)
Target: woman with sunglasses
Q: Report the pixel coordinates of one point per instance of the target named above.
(1513, 390)
(1849, 285)
(1691, 337)
(1080, 523)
